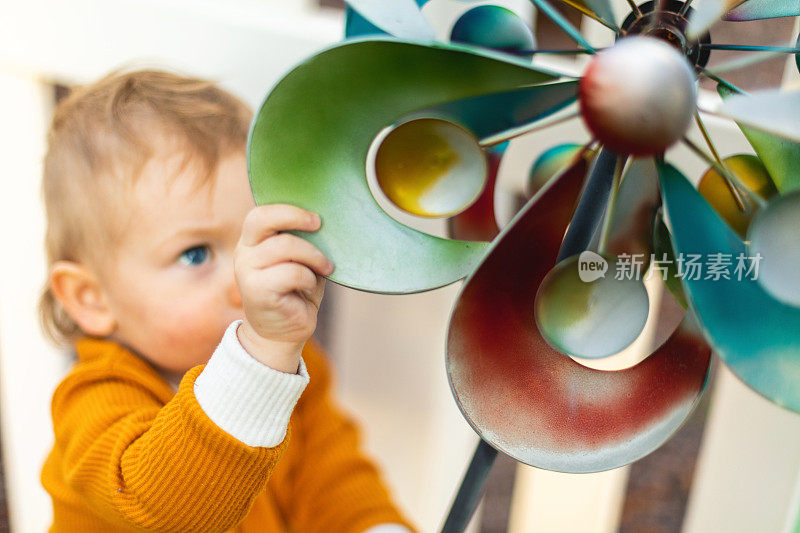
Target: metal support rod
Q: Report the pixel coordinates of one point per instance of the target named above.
(591, 206)
(469, 493)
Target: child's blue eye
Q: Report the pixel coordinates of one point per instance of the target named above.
(194, 256)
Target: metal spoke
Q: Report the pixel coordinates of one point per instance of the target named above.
(751, 48)
(734, 190)
(721, 169)
(552, 13)
(504, 136)
(635, 8)
(685, 8)
(592, 15)
(721, 81)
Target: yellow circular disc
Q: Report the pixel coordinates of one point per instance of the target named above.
(431, 167)
(751, 172)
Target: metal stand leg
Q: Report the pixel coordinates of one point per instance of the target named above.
(469, 492)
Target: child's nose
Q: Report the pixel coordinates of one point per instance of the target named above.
(234, 297)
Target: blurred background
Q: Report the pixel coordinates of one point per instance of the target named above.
(734, 466)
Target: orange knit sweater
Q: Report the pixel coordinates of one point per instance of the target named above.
(132, 455)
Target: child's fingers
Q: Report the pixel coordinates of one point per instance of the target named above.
(288, 277)
(287, 247)
(266, 220)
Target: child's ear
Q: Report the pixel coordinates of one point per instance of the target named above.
(78, 291)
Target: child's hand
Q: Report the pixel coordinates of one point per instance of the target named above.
(280, 291)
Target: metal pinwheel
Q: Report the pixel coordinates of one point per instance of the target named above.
(539, 301)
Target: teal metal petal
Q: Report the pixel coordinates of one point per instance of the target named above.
(780, 156)
(764, 9)
(400, 18)
(490, 114)
(309, 141)
(772, 111)
(357, 26)
(757, 336)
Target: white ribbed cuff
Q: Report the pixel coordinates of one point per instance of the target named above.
(246, 398)
(388, 528)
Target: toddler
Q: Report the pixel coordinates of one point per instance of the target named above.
(198, 401)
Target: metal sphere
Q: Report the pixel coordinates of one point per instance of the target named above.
(494, 27)
(773, 234)
(589, 313)
(753, 175)
(639, 96)
(430, 167)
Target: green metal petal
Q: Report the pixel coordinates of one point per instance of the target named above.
(764, 9)
(309, 141)
(662, 248)
(780, 156)
(757, 336)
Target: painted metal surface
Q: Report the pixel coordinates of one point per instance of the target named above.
(400, 18)
(705, 13)
(346, 95)
(638, 96)
(582, 308)
(633, 214)
(490, 114)
(494, 27)
(478, 222)
(663, 250)
(764, 9)
(772, 111)
(774, 235)
(536, 404)
(780, 156)
(549, 164)
(757, 336)
(431, 167)
(602, 9)
(751, 173)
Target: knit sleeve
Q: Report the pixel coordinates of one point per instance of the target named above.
(158, 467)
(334, 485)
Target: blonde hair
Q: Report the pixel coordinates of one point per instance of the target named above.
(100, 138)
